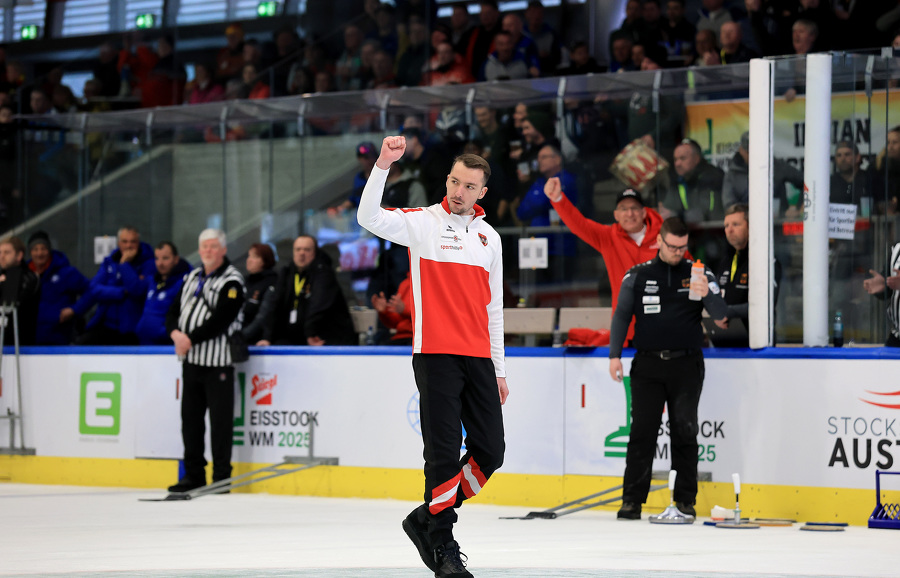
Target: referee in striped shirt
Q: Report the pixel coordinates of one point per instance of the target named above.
(202, 316)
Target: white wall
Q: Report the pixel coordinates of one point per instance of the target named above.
(780, 420)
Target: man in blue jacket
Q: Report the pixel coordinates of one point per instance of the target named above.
(534, 210)
(117, 290)
(61, 285)
(161, 290)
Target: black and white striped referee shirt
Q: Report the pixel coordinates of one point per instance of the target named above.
(894, 305)
(209, 310)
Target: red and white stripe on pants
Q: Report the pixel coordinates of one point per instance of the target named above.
(470, 477)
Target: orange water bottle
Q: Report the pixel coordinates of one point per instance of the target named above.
(697, 271)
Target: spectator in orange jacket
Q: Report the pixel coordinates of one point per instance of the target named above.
(396, 312)
(631, 240)
(447, 67)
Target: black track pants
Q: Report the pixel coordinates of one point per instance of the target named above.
(454, 389)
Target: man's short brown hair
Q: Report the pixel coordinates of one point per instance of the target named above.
(127, 229)
(471, 161)
(739, 208)
(673, 226)
(17, 244)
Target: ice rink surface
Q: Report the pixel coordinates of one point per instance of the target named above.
(75, 531)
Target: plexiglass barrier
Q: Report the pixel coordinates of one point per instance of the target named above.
(268, 170)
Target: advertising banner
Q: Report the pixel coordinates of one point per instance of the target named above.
(785, 421)
(362, 408)
(826, 423)
(365, 410)
(80, 405)
(598, 422)
(718, 126)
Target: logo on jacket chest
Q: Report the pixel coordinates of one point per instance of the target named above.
(450, 239)
(740, 281)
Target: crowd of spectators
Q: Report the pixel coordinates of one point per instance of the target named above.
(127, 301)
(526, 145)
(407, 45)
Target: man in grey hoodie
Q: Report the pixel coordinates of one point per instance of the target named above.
(736, 186)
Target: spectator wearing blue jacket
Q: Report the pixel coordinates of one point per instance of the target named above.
(61, 285)
(534, 207)
(118, 292)
(161, 289)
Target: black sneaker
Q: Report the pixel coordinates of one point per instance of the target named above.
(418, 534)
(629, 511)
(450, 561)
(686, 509)
(223, 489)
(185, 485)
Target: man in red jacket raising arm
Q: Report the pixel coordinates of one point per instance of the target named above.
(631, 240)
(456, 270)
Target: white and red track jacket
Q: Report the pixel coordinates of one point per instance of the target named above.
(456, 270)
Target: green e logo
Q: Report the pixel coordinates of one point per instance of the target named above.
(101, 396)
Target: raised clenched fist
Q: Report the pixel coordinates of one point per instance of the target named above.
(392, 148)
(553, 189)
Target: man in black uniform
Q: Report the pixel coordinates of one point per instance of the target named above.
(734, 272)
(668, 366)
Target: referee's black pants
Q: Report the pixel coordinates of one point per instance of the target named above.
(454, 389)
(655, 383)
(205, 388)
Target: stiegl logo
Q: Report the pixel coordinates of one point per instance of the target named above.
(100, 404)
(267, 427)
(263, 384)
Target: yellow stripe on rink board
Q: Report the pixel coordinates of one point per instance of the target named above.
(88, 471)
(531, 492)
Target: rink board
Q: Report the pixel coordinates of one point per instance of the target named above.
(794, 418)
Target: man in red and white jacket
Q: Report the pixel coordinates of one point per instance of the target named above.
(458, 356)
